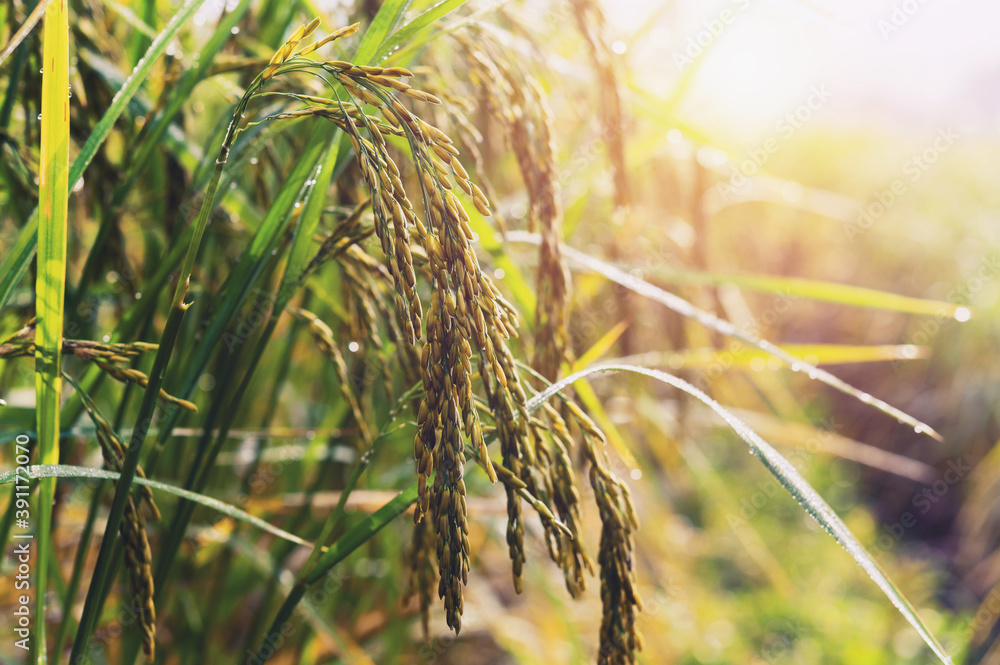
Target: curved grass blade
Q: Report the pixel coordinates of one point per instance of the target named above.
(786, 474)
(50, 285)
(789, 478)
(709, 320)
(69, 471)
(16, 263)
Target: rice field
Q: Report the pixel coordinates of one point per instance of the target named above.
(494, 332)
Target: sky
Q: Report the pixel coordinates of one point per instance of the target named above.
(897, 64)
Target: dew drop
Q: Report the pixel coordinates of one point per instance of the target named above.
(39, 116)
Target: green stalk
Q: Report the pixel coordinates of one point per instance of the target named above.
(346, 544)
(50, 285)
(290, 282)
(88, 527)
(103, 568)
(78, 563)
(352, 482)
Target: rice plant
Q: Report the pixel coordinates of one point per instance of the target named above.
(300, 270)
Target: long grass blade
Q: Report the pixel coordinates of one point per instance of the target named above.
(69, 471)
(709, 320)
(50, 285)
(789, 478)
